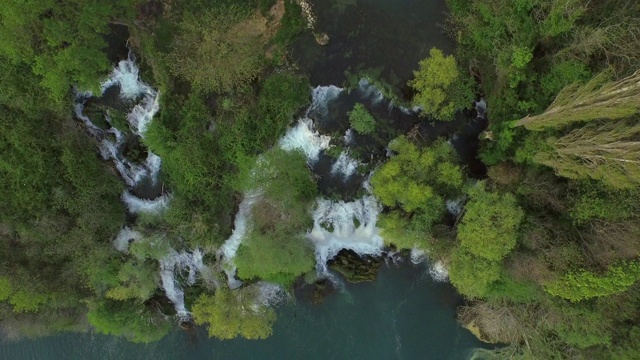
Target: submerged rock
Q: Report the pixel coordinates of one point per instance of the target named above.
(321, 38)
(354, 267)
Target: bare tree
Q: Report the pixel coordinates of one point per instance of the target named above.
(609, 152)
(600, 98)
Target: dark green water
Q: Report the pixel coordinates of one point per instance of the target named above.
(383, 38)
(401, 315)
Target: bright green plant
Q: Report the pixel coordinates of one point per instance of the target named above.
(230, 314)
(489, 228)
(581, 285)
(440, 90)
(361, 120)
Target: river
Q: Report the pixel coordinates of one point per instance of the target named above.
(403, 314)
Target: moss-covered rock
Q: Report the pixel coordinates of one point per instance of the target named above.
(355, 268)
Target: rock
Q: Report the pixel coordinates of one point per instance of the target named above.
(354, 268)
(321, 38)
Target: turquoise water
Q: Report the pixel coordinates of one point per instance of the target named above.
(403, 314)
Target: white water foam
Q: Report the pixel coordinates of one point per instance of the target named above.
(137, 205)
(269, 294)
(142, 114)
(180, 261)
(126, 75)
(348, 136)
(345, 225)
(321, 96)
(124, 238)
(418, 256)
(370, 91)
(344, 166)
(439, 271)
(303, 137)
(228, 250)
(455, 206)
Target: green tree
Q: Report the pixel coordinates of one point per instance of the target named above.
(361, 120)
(606, 152)
(440, 87)
(219, 49)
(129, 319)
(61, 51)
(230, 314)
(276, 249)
(415, 183)
(472, 275)
(581, 285)
(489, 228)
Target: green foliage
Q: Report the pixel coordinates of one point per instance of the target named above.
(275, 249)
(562, 74)
(415, 182)
(411, 178)
(128, 319)
(471, 275)
(62, 51)
(137, 281)
(439, 86)
(281, 96)
(5, 288)
(361, 120)
(398, 230)
(291, 24)
(489, 228)
(590, 200)
(218, 49)
(581, 285)
(582, 327)
(230, 314)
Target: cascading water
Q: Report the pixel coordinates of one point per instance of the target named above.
(301, 136)
(344, 166)
(337, 225)
(369, 91)
(229, 249)
(179, 261)
(112, 140)
(345, 225)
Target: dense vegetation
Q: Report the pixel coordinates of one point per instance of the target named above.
(547, 245)
(545, 248)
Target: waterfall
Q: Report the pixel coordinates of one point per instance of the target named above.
(455, 206)
(418, 256)
(269, 294)
(321, 97)
(228, 250)
(137, 205)
(112, 141)
(344, 166)
(180, 261)
(126, 76)
(143, 113)
(370, 91)
(345, 225)
(481, 108)
(348, 136)
(303, 137)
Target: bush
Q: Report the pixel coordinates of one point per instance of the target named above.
(361, 120)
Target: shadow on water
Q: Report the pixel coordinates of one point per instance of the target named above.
(389, 37)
